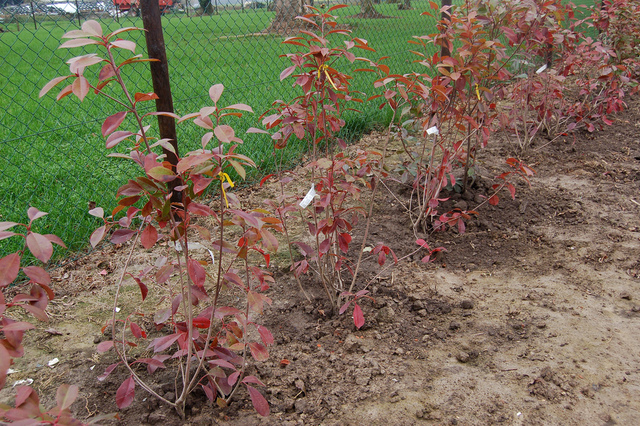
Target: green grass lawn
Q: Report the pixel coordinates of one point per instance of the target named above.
(53, 155)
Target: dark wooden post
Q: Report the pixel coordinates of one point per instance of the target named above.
(152, 23)
(33, 15)
(445, 16)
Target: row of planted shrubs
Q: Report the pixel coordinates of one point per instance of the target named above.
(502, 65)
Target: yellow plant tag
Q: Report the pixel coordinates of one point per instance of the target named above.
(223, 176)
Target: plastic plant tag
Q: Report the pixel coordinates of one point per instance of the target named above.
(308, 198)
(433, 131)
(542, 68)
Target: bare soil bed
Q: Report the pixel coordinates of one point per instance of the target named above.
(530, 318)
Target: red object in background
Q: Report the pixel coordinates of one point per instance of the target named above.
(133, 6)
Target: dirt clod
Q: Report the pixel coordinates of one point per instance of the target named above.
(467, 304)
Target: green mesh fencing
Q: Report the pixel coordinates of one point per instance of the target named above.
(52, 154)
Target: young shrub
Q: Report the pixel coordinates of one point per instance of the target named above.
(27, 409)
(337, 177)
(205, 342)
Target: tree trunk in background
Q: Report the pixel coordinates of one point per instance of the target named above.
(207, 7)
(286, 12)
(406, 5)
(368, 11)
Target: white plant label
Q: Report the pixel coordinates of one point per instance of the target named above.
(308, 198)
(542, 68)
(433, 131)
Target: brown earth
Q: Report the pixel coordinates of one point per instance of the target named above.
(528, 319)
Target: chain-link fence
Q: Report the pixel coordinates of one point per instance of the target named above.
(52, 153)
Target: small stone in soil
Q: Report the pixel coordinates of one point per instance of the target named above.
(462, 357)
(467, 304)
(455, 325)
(300, 405)
(386, 314)
(625, 295)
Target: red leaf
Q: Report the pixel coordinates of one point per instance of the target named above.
(196, 272)
(265, 335)
(105, 346)
(137, 331)
(200, 322)
(161, 174)
(143, 288)
(108, 371)
(233, 378)
(200, 209)
(26, 396)
(358, 317)
(255, 301)
(80, 87)
(162, 343)
(125, 393)
(344, 307)
(161, 316)
(116, 137)
(37, 274)
(222, 363)
(97, 236)
(494, 200)
(259, 351)
(99, 211)
(338, 6)
(65, 396)
(112, 123)
(5, 362)
(215, 92)
(122, 235)
(55, 240)
(192, 161)
(34, 213)
(106, 72)
(252, 379)
(249, 218)
(287, 72)
(241, 107)
(512, 190)
(343, 240)
(264, 179)
(141, 97)
(7, 225)
(149, 236)
(17, 326)
(254, 130)
(225, 133)
(269, 241)
(40, 246)
(50, 85)
(259, 402)
(92, 28)
(9, 268)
